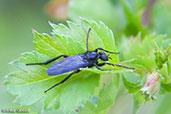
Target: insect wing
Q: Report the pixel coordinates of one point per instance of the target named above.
(66, 65)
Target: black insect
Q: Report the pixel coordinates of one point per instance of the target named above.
(73, 63)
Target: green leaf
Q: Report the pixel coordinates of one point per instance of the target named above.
(101, 104)
(142, 57)
(138, 100)
(130, 84)
(28, 83)
(164, 72)
(159, 56)
(133, 18)
(163, 62)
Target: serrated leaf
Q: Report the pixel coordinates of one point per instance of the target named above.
(75, 92)
(47, 45)
(163, 62)
(30, 82)
(160, 58)
(142, 56)
(107, 36)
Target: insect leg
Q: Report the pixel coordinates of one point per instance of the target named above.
(100, 68)
(76, 71)
(102, 64)
(47, 62)
(106, 51)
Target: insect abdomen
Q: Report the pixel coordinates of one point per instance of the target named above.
(66, 65)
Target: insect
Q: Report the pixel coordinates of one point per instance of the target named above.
(75, 62)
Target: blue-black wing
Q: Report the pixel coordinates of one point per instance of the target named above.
(66, 65)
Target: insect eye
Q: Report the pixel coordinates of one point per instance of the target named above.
(103, 56)
(93, 55)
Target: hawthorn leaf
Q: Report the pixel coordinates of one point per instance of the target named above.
(28, 83)
(106, 35)
(142, 57)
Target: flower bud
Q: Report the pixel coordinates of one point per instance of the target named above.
(152, 85)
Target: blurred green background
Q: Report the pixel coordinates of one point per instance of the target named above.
(19, 17)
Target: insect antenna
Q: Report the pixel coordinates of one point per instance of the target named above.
(108, 56)
(87, 38)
